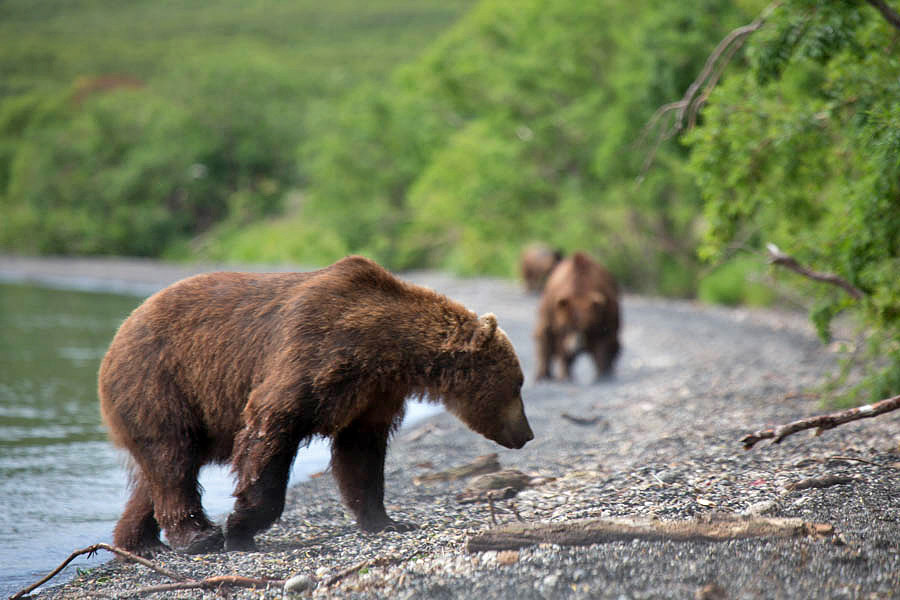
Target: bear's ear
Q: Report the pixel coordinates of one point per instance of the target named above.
(487, 326)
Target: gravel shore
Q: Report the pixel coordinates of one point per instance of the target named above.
(660, 441)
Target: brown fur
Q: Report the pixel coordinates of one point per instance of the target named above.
(242, 368)
(535, 265)
(578, 312)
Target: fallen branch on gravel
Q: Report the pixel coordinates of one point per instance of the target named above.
(210, 583)
(585, 421)
(598, 531)
(777, 257)
(382, 561)
(487, 463)
(818, 482)
(184, 582)
(822, 422)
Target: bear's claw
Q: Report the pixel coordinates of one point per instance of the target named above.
(203, 542)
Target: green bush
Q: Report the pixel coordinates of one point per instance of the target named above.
(739, 281)
(130, 128)
(802, 149)
(520, 123)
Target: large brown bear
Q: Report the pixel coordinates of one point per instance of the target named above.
(578, 312)
(242, 368)
(535, 265)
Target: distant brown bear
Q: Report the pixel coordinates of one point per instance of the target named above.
(535, 265)
(243, 367)
(578, 312)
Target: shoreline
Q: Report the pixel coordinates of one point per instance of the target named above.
(659, 441)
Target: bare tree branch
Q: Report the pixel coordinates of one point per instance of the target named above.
(889, 14)
(777, 257)
(183, 582)
(210, 583)
(822, 422)
(693, 98)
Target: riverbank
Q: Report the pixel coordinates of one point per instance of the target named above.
(658, 441)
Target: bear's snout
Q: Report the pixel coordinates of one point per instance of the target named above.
(516, 431)
(519, 439)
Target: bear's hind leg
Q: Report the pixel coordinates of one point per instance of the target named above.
(357, 461)
(137, 530)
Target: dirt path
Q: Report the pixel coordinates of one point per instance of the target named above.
(662, 442)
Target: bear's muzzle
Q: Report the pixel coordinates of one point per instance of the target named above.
(516, 431)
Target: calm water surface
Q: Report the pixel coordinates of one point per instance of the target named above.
(62, 485)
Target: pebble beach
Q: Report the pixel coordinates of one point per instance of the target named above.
(659, 443)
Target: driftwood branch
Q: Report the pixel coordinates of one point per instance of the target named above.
(183, 582)
(777, 257)
(818, 482)
(683, 113)
(597, 531)
(889, 14)
(210, 583)
(822, 422)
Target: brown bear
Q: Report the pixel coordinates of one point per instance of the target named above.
(535, 265)
(244, 367)
(578, 312)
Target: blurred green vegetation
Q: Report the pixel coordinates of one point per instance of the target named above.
(132, 127)
(448, 135)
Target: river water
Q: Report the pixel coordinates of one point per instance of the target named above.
(62, 485)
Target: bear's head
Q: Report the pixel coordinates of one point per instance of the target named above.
(574, 315)
(486, 393)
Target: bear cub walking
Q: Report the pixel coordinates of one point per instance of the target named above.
(242, 368)
(578, 312)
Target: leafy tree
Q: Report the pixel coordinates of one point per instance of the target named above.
(802, 149)
(519, 123)
(133, 127)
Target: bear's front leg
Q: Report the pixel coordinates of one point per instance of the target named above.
(544, 343)
(263, 453)
(357, 462)
(605, 352)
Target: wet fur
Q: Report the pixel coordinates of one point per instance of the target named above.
(242, 368)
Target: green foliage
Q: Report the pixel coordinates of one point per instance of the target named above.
(802, 149)
(737, 282)
(130, 128)
(520, 124)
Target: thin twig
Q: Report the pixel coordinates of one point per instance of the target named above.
(777, 257)
(512, 505)
(685, 110)
(91, 550)
(382, 561)
(210, 583)
(183, 582)
(490, 498)
(822, 422)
